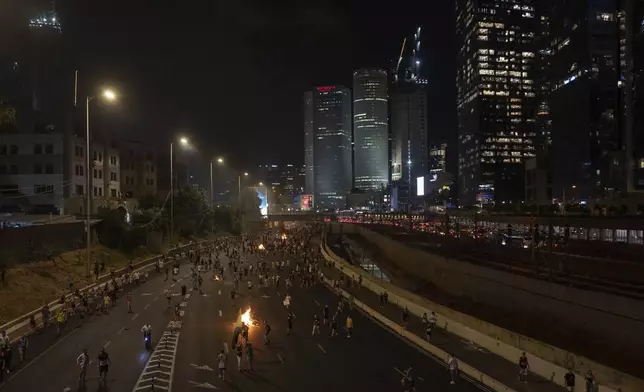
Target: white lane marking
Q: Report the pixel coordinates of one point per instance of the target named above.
(135, 316)
(121, 330)
(219, 292)
(321, 348)
(220, 314)
(280, 358)
(146, 307)
(317, 303)
(172, 285)
(53, 346)
(155, 298)
(294, 316)
(107, 344)
(226, 347)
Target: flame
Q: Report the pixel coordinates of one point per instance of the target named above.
(246, 319)
(261, 247)
(217, 277)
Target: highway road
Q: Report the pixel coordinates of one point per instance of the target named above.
(53, 360)
(370, 360)
(187, 360)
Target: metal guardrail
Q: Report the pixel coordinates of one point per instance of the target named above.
(22, 322)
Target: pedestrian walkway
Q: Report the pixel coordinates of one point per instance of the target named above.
(468, 352)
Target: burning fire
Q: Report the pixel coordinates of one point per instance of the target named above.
(246, 318)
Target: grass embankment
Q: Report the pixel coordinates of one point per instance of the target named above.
(29, 286)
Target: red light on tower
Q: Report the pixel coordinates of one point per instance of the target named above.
(325, 89)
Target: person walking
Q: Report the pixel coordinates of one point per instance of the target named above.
(452, 364)
(83, 363)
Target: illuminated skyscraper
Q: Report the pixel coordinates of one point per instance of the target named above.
(409, 114)
(327, 112)
(370, 129)
(496, 98)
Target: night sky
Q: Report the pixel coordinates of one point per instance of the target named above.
(231, 74)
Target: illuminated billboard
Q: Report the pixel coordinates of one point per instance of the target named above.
(420, 186)
(306, 202)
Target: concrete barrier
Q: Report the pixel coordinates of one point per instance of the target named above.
(20, 326)
(497, 340)
(442, 355)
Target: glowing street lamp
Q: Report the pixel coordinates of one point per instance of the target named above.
(184, 142)
(108, 95)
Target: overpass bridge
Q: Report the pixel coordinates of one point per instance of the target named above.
(302, 217)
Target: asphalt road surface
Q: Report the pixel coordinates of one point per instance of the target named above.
(371, 360)
(53, 360)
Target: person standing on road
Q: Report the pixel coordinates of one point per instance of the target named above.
(591, 382)
(316, 326)
(523, 367)
(334, 326)
(569, 379)
(104, 363)
(83, 362)
(23, 343)
(289, 323)
(267, 330)
(325, 314)
(240, 351)
(60, 320)
(349, 326)
(129, 302)
(249, 355)
(452, 365)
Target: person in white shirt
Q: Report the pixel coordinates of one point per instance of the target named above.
(221, 359)
(83, 362)
(452, 364)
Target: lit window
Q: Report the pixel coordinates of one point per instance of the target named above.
(605, 16)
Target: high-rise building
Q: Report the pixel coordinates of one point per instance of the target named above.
(370, 129)
(496, 99)
(327, 112)
(632, 61)
(309, 183)
(409, 115)
(586, 102)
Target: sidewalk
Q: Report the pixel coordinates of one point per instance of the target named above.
(481, 359)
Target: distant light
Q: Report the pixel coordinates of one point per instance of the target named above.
(183, 141)
(53, 19)
(417, 62)
(220, 160)
(245, 173)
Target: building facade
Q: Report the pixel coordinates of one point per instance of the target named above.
(32, 173)
(409, 133)
(328, 109)
(370, 129)
(496, 99)
(309, 182)
(586, 103)
(138, 169)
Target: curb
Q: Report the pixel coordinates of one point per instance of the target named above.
(441, 355)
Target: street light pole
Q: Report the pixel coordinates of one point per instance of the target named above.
(87, 191)
(211, 196)
(171, 195)
(110, 96)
